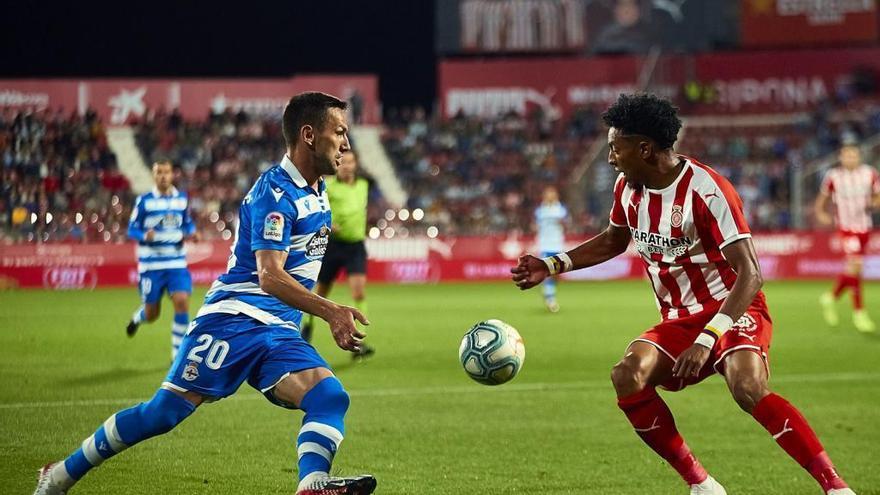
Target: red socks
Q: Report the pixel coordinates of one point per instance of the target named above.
(857, 293)
(792, 432)
(844, 281)
(655, 425)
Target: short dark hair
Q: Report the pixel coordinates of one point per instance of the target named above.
(647, 115)
(308, 108)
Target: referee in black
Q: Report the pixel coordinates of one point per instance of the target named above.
(348, 195)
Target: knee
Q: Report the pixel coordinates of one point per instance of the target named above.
(627, 378)
(181, 305)
(328, 397)
(336, 399)
(157, 416)
(748, 391)
(166, 410)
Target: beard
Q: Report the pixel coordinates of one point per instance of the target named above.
(326, 166)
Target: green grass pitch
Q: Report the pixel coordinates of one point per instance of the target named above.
(417, 422)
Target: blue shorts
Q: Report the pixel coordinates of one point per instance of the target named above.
(153, 283)
(221, 351)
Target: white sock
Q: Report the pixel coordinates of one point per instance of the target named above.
(310, 478)
(137, 317)
(59, 476)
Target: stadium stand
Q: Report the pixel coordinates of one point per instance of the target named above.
(59, 180)
(470, 175)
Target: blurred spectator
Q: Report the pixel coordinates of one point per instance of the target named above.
(59, 180)
(467, 175)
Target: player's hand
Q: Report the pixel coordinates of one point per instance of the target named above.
(529, 272)
(150, 235)
(691, 361)
(343, 327)
(823, 218)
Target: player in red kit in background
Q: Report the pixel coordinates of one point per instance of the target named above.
(688, 226)
(854, 188)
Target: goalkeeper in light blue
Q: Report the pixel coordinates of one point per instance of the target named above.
(549, 219)
(160, 223)
(248, 328)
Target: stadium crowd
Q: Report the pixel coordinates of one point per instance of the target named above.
(59, 181)
(470, 175)
(486, 175)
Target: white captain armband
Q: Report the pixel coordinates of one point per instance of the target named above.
(558, 263)
(713, 330)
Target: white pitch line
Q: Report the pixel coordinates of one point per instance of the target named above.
(459, 389)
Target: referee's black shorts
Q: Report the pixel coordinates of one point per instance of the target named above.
(349, 255)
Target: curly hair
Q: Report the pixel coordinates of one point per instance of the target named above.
(645, 114)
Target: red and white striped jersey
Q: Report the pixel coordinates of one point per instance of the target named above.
(852, 192)
(679, 232)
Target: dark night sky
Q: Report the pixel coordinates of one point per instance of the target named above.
(249, 38)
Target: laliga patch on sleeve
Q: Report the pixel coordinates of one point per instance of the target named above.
(273, 227)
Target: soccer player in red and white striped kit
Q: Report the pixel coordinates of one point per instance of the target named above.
(687, 223)
(854, 188)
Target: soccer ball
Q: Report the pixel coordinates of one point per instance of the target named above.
(492, 352)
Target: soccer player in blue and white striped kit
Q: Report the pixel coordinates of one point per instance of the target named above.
(549, 218)
(248, 328)
(160, 222)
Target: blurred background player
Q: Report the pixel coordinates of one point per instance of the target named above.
(688, 225)
(854, 188)
(348, 194)
(549, 218)
(247, 330)
(160, 222)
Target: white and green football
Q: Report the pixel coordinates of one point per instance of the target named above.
(492, 352)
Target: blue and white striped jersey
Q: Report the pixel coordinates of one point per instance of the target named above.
(168, 216)
(281, 212)
(551, 236)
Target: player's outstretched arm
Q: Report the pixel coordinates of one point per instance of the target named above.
(742, 258)
(531, 271)
(277, 282)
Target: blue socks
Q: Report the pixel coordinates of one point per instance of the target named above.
(322, 431)
(126, 428)
(549, 289)
(178, 330)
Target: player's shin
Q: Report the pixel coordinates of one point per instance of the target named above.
(122, 430)
(323, 428)
(857, 292)
(549, 289)
(653, 422)
(178, 331)
(792, 432)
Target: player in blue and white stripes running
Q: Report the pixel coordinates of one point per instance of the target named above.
(549, 218)
(160, 222)
(248, 328)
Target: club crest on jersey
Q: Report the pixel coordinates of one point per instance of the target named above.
(677, 216)
(273, 226)
(317, 245)
(745, 323)
(191, 372)
(648, 243)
